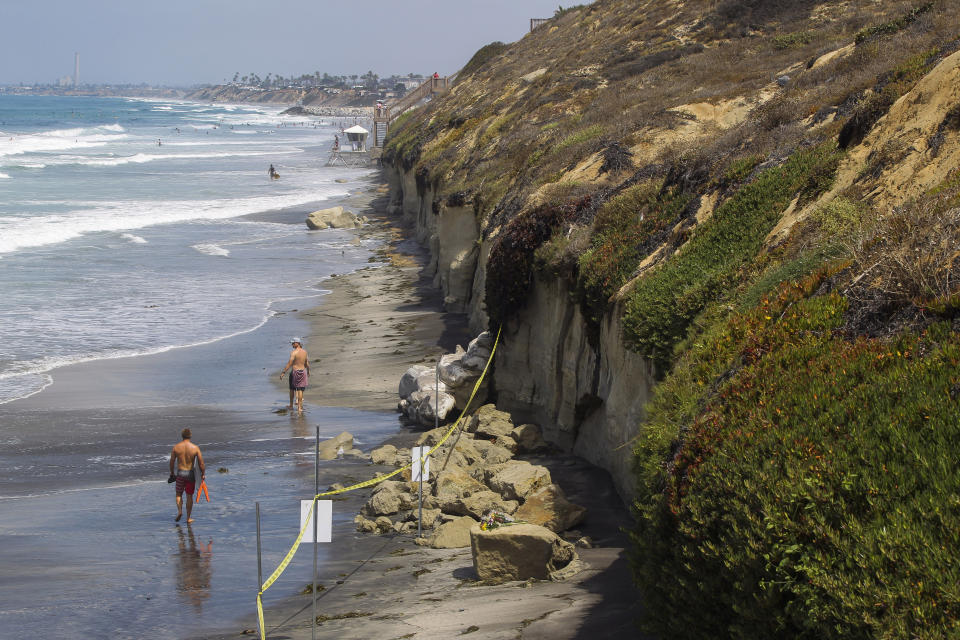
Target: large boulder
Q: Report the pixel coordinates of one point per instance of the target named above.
(453, 534)
(333, 218)
(478, 352)
(489, 423)
(517, 479)
(330, 447)
(421, 398)
(385, 455)
(452, 372)
(388, 498)
(486, 453)
(409, 380)
(519, 552)
(425, 405)
(456, 483)
(549, 507)
(529, 438)
(477, 504)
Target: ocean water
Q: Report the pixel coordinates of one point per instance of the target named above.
(131, 227)
(145, 287)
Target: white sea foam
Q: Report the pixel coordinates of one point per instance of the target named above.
(4, 176)
(211, 249)
(133, 238)
(61, 140)
(141, 158)
(18, 232)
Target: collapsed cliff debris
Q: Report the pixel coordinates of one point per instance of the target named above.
(475, 473)
(422, 398)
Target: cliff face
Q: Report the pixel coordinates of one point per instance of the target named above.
(537, 123)
(721, 241)
(587, 397)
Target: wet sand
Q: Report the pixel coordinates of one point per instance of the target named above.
(126, 569)
(387, 587)
(377, 322)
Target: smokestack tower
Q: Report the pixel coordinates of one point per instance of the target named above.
(76, 69)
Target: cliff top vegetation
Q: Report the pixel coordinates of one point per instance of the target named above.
(766, 193)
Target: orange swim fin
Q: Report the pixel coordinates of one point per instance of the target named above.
(202, 489)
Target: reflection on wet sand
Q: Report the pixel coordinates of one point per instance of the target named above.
(193, 568)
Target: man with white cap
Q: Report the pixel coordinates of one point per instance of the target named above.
(299, 365)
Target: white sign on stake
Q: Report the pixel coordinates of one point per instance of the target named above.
(324, 522)
(416, 453)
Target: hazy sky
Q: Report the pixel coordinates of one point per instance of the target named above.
(176, 42)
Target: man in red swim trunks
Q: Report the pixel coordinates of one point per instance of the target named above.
(182, 459)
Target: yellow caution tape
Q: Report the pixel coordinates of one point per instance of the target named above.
(361, 485)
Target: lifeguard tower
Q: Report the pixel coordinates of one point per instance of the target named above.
(353, 152)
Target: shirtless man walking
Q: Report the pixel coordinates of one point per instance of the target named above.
(181, 469)
(299, 366)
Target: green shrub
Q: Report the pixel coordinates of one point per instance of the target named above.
(510, 267)
(664, 303)
(892, 26)
(481, 57)
(626, 228)
(577, 137)
(790, 40)
(796, 484)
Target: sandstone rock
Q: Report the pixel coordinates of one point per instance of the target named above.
(456, 483)
(489, 423)
(430, 438)
(329, 448)
(364, 525)
(518, 552)
(549, 507)
(452, 372)
(529, 438)
(453, 534)
(431, 517)
(478, 352)
(404, 527)
(386, 455)
(425, 405)
(490, 453)
(356, 453)
(382, 503)
(408, 382)
(332, 218)
(506, 442)
(388, 498)
(383, 524)
(479, 503)
(427, 381)
(516, 479)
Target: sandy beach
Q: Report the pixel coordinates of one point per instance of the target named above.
(373, 325)
(377, 322)
(127, 567)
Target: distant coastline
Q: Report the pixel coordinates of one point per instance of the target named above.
(310, 101)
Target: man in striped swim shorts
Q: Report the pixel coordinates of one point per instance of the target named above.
(299, 365)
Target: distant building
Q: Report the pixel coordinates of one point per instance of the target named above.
(65, 81)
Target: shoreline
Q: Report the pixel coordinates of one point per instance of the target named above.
(384, 319)
(389, 318)
(372, 325)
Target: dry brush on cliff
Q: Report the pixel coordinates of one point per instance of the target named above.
(777, 233)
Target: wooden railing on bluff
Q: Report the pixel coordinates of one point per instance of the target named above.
(384, 115)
